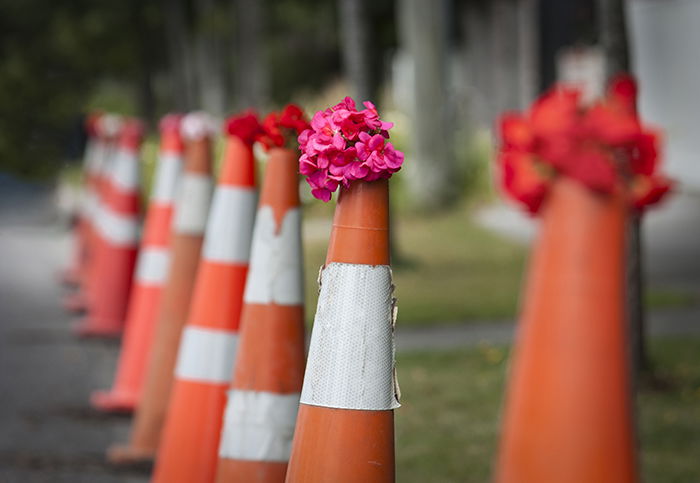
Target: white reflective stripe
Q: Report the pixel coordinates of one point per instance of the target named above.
(230, 225)
(167, 174)
(117, 228)
(125, 173)
(206, 355)
(152, 268)
(351, 354)
(192, 204)
(258, 426)
(275, 273)
(89, 204)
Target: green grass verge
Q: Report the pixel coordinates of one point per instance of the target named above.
(447, 429)
(450, 270)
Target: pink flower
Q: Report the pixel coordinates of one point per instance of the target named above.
(344, 145)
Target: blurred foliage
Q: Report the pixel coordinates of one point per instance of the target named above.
(62, 59)
(53, 55)
(462, 392)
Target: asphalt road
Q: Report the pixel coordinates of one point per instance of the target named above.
(48, 433)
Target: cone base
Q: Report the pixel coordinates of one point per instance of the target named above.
(114, 401)
(125, 455)
(97, 328)
(251, 471)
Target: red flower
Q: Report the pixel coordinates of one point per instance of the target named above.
(245, 126)
(516, 132)
(644, 154)
(623, 91)
(647, 191)
(522, 180)
(280, 129)
(555, 113)
(594, 168)
(604, 146)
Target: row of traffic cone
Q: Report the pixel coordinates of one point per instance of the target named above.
(567, 415)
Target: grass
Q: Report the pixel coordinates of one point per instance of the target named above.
(452, 270)
(446, 430)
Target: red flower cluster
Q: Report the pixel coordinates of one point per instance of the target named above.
(280, 129)
(602, 146)
(245, 126)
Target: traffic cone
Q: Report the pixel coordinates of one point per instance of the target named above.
(117, 225)
(188, 451)
(107, 128)
(264, 396)
(567, 413)
(151, 275)
(191, 210)
(71, 275)
(345, 425)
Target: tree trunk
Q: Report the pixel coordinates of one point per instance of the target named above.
(615, 43)
(475, 24)
(251, 75)
(355, 44)
(432, 172)
(208, 50)
(146, 98)
(180, 55)
(504, 56)
(528, 50)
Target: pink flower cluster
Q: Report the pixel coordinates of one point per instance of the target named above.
(344, 145)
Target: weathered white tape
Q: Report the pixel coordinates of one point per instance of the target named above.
(89, 155)
(117, 228)
(276, 273)
(206, 355)
(230, 225)
(168, 172)
(192, 205)
(126, 175)
(153, 265)
(198, 124)
(90, 203)
(351, 355)
(258, 426)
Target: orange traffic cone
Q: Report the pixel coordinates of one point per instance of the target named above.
(72, 275)
(151, 275)
(188, 451)
(191, 210)
(345, 425)
(264, 397)
(107, 128)
(567, 415)
(118, 229)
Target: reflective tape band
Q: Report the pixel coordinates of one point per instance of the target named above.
(230, 225)
(275, 273)
(192, 204)
(116, 228)
(351, 354)
(126, 175)
(206, 355)
(168, 172)
(89, 204)
(153, 264)
(258, 426)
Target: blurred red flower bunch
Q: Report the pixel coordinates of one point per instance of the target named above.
(343, 145)
(245, 126)
(280, 129)
(603, 146)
